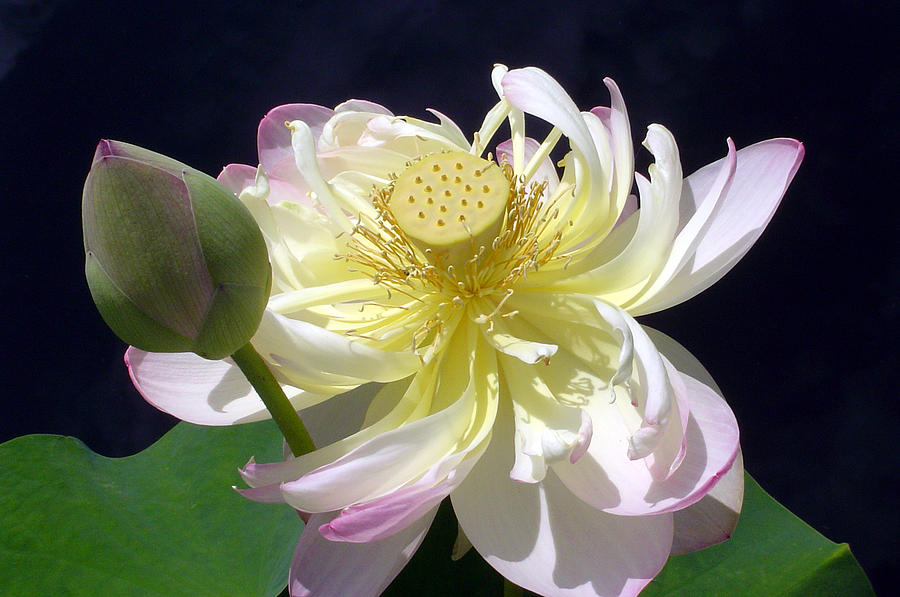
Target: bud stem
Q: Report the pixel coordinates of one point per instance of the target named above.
(260, 377)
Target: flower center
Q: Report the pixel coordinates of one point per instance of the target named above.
(451, 203)
(455, 227)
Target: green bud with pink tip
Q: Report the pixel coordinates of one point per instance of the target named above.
(174, 262)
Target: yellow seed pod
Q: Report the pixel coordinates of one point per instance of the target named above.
(451, 203)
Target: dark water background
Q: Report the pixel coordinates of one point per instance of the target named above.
(801, 335)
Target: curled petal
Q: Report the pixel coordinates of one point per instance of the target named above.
(645, 253)
(617, 485)
(616, 120)
(274, 138)
(546, 431)
(714, 517)
(534, 92)
(694, 223)
(544, 539)
(304, 148)
(762, 175)
(524, 350)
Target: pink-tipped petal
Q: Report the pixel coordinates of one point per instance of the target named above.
(607, 480)
(535, 92)
(237, 177)
(546, 540)
(712, 519)
(394, 512)
(385, 516)
(274, 138)
(385, 461)
(267, 494)
(323, 568)
(201, 391)
(616, 120)
(762, 176)
(695, 214)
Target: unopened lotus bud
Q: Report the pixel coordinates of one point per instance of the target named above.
(174, 261)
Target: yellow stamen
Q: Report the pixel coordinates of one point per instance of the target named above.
(455, 250)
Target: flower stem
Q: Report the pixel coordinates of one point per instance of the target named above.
(260, 377)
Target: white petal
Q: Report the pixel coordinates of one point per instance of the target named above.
(762, 175)
(696, 215)
(546, 430)
(545, 171)
(201, 391)
(535, 92)
(544, 539)
(383, 464)
(322, 568)
(620, 138)
(304, 147)
(645, 254)
(524, 350)
(456, 417)
(358, 105)
(608, 481)
(311, 356)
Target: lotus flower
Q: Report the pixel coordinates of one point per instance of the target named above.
(494, 296)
